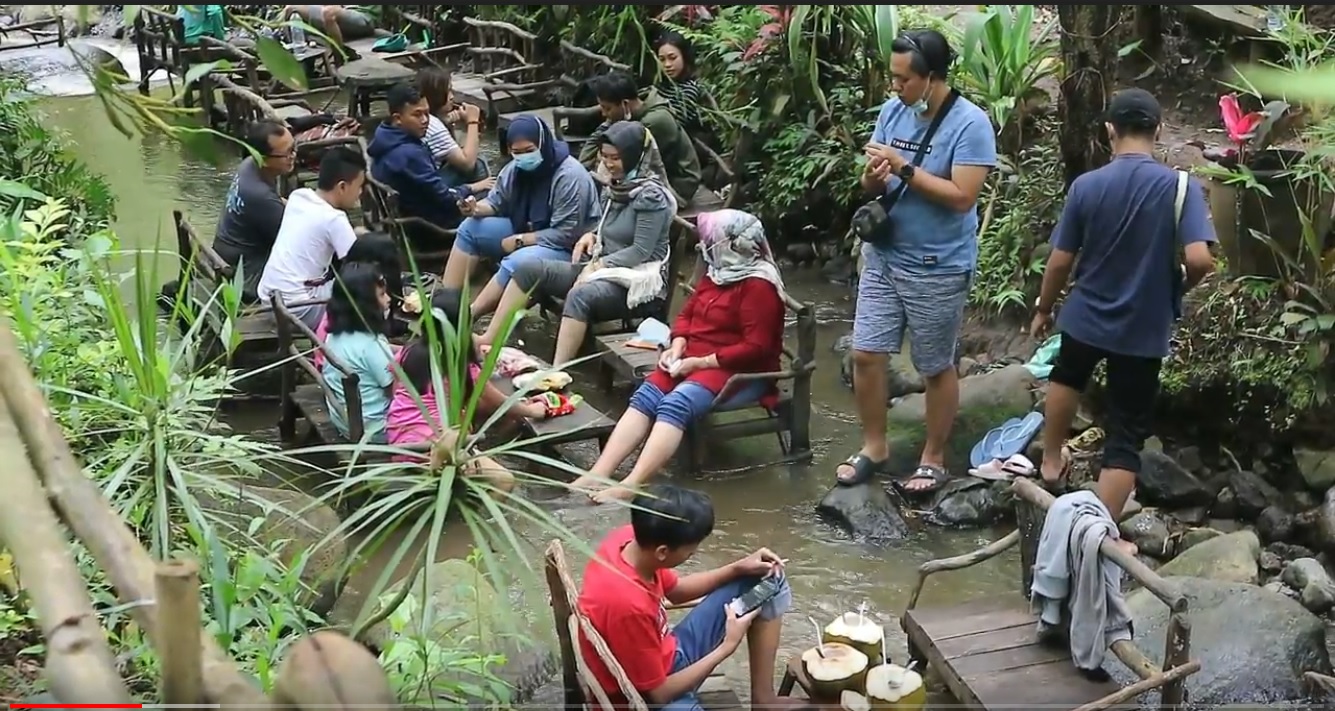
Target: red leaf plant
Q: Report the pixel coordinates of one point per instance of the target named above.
(1240, 127)
(690, 14)
(770, 31)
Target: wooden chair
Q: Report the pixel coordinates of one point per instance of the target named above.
(306, 167)
(311, 401)
(502, 55)
(552, 306)
(158, 39)
(790, 420)
(203, 270)
(988, 653)
(582, 690)
(427, 244)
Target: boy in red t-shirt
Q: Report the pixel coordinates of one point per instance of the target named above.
(632, 578)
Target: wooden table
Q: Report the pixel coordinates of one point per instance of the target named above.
(618, 359)
(367, 79)
(585, 423)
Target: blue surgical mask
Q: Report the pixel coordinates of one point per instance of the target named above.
(919, 107)
(528, 161)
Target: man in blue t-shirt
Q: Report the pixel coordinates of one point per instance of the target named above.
(1122, 220)
(917, 269)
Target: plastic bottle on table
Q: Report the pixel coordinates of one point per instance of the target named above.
(298, 36)
(1274, 17)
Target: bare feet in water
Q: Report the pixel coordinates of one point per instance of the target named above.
(611, 494)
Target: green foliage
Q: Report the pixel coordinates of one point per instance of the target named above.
(1005, 53)
(38, 156)
(1018, 209)
(138, 395)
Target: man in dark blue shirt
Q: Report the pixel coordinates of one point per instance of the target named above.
(1123, 222)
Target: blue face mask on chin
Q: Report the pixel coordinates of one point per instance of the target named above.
(919, 107)
(528, 161)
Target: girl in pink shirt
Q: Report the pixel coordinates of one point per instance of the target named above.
(410, 421)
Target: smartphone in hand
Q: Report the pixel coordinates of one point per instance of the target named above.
(764, 591)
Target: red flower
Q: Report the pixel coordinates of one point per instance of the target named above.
(1240, 126)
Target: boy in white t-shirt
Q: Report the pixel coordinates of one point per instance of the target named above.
(315, 230)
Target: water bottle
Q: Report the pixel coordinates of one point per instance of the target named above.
(1274, 17)
(298, 36)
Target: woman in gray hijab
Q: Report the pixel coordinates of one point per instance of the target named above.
(617, 270)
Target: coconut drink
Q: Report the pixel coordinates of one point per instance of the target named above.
(888, 687)
(834, 668)
(857, 631)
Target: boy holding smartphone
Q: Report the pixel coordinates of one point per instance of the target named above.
(631, 580)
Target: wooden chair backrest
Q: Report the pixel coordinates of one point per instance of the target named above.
(498, 46)
(198, 256)
(578, 65)
(158, 38)
(290, 330)
(580, 686)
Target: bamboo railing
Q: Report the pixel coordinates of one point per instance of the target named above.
(47, 488)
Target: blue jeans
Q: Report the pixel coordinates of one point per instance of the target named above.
(482, 236)
(688, 401)
(702, 629)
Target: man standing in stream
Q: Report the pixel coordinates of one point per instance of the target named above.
(1127, 221)
(929, 155)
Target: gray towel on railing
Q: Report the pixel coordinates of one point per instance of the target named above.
(1076, 588)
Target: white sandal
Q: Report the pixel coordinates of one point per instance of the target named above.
(997, 470)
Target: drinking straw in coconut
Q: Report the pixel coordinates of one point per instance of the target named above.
(862, 613)
(820, 643)
(885, 658)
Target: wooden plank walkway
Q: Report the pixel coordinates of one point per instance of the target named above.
(989, 655)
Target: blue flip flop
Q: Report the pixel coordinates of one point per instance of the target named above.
(1006, 440)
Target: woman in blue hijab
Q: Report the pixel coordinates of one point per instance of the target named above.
(543, 201)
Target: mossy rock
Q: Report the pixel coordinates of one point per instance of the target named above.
(294, 520)
(468, 614)
(986, 401)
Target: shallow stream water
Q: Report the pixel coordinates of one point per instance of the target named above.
(769, 506)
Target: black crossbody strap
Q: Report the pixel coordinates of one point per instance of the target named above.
(888, 201)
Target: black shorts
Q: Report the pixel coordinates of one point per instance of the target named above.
(1133, 384)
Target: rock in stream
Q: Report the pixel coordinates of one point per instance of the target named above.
(1253, 644)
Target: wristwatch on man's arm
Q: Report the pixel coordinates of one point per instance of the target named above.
(906, 172)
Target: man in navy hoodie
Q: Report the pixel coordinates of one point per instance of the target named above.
(401, 160)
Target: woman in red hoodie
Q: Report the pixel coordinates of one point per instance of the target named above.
(733, 323)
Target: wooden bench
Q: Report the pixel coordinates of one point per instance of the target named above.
(581, 688)
(38, 31)
(988, 652)
(790, 420)
(203, 271)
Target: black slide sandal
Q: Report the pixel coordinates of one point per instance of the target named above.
(925, 472)
(864, 468)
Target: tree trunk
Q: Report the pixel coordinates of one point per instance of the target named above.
(1089, 55)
